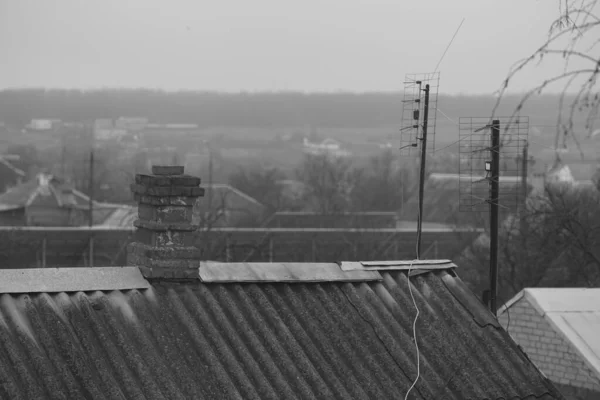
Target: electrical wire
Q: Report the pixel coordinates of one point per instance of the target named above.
(414, 334)
(449, 44)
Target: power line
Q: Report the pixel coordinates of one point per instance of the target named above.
(449, 44)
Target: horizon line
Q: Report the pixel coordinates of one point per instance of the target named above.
(258, 91)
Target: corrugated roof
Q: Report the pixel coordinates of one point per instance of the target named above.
(222, 190)
(262, 341)
(119, 217)
(24, 194)
(574, 313)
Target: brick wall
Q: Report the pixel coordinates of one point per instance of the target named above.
(553, 355)
(163, 245)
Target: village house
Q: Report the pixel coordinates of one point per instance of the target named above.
(225, 205)
(173, 326)
(48, 200)
(558, 328)
(330, 147)
(9, 174)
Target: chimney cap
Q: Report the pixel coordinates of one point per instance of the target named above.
(167, 170)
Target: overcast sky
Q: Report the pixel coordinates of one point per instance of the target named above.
(234, 45)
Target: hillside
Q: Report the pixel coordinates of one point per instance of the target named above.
(352, 117)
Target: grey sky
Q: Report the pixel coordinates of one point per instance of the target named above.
(233, 45)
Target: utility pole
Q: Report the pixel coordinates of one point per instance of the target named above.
(524, 171)
(422, 171)
(494, 208)
(525, 189)
(210, 177)
(525, 161)
(63, 158)
(91, 198)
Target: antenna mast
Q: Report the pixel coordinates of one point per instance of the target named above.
(481, 177)
(418, 125)
(422, 171)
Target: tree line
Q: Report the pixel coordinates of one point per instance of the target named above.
(261, 109)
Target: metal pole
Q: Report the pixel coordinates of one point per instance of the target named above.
(44, 252)
(91, 201)
(63, 162)
(210, 179)
(525, 189)
(422, 172)
(494, 208)
(91, 244)
(91, 190)
(525, 172)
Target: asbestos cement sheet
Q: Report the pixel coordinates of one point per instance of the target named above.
(397, 265)
(39, 280)
(282, 272)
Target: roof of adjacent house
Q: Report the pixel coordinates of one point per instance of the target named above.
(312, 219)
(115, 216)
(258, 331)
(223, 190)
(25, 194)
(62, 194)
(17, 171)
(574, 313)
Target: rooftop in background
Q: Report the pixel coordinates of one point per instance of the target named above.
(48, 193)
(441, 201)
(558, 328)
(309, 219)
(298, 331)
(43, 185)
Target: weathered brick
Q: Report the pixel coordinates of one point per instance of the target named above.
(152, 180)
(159, 226)
(167, 170)
(165, 214)
(169, 273)
(165, 200)
(165, 238)
(167, 191)
(162, 180)
(183, 200)
(165, 253)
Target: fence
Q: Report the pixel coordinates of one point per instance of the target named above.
(79, 247)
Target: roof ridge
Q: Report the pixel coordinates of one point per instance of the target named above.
(286, 272)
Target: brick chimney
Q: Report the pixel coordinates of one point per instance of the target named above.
(163, 244)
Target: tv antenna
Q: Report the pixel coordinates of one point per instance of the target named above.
(417, 133)
(492, 174)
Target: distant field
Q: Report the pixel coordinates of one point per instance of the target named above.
(42, 140)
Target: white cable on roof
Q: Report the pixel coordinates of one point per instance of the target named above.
(414, 333)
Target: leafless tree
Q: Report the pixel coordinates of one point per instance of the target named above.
(552, 242)
(328, 182)
(577, 25)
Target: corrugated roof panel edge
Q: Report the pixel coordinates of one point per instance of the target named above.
(52, 280)
(217, 272)
(41, 280)
(403, 265)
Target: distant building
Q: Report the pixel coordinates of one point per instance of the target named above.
(575, 174)
(9, 174)
(42, 124)
(307, 219)
(108, 134)
(131, 123)
(224, 205)
(441, 203)
(49, 201)
(104, 123)
(328, 146)
(171, 126)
